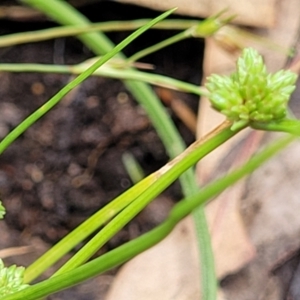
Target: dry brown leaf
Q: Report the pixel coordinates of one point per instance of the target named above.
(260, 13)
(270, 208)
(166, 271)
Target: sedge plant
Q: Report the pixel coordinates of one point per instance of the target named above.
(121, 68)
(259, 100)
(235, 122)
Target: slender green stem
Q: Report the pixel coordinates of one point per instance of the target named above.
(154, 48)
(286, 125)
(64, 31)
(110, 72)
(140, 244)
(133, 168)
(202, 29)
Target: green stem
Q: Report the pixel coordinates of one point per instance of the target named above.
(172, 40)
(287, 125)
(131, 249)
(64, 31)
(132, 167)
(110, 72)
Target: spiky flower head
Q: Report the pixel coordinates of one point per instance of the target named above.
(11, 279)
(251, 94)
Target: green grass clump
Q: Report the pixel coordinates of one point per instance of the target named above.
(249, 97)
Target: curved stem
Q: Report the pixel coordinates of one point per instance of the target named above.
(288, 125)
(174, 39)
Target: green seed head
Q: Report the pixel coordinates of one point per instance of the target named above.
(251, 94)
(11, 279)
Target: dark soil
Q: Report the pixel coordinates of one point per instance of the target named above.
(69, 164)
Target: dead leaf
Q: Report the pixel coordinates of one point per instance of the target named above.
(166, 271)
(261, 13)
(270, 209)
